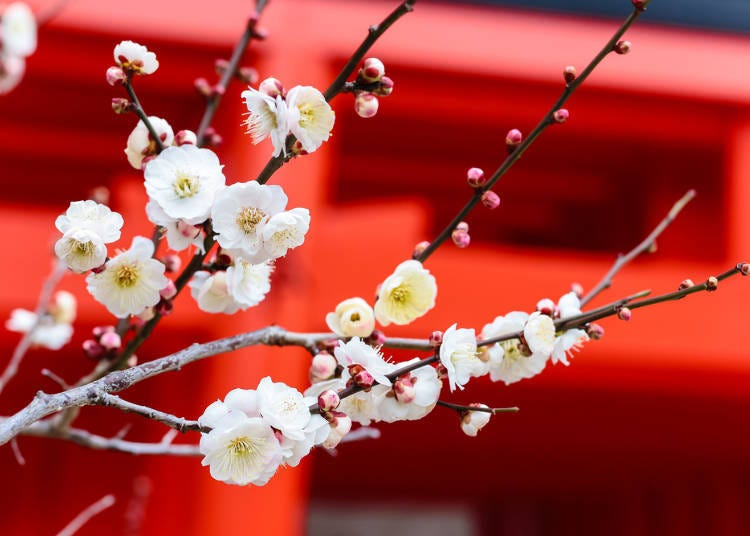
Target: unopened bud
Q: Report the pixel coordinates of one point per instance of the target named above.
(744, 268)
(624, 313)
(172, 263)
(546, 306)
(561, 115)
(247, 75)
(93, 349)
(63, 308)
(372, 70)
(110, 340)
(622, 47)
(328, 400)
(419, 248)
(115, 75)
(164, 307)
(376, 338)
(100, 194)
(385, 88)
(202, 86)
(490, 200)
(473, 421)
(404, 389)
(436, 338)
(218, 89)
(340, 425)
(462, 226)
(168, 292)
(121, 105)
(595, 331)
(640, 5)
(577, 289)
(366, 105)
(220, 66)
(461, 238)
(687, 283)
(513, 139)
(475, 177)
(132, 361)
(297, 149)
(323, 366)
(362, 378)
(187, 230)
(98, 331)
(271, 87)
(185, 137)
(712, 284)
(569, 74)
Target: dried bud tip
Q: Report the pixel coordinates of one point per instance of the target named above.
(475, 177)
(419, 248)
(744, 268)
(561, 115)
(490, 200)
(121, 105)
(116, 75)
(624, 313)
(595, 331)
(569, 74)
(366, 105)
(461, 238)
(513, 138)
(272, 87)
(436, 338)
(653, 247)
(622, 47)
(687, 283)
(712, 284)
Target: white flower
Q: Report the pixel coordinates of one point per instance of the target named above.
(357, 352)
(49, 332)
(130, 282)
(135, 58)
(248, 283)
(427, 387)
(362, 407)
(91, 216)
(569, 305)
(241, 450)
(459, 356)
(539, 333)
(473, 421)
(176, 239)
(267, 116)
(239, 213)
(244, 400)
(566, 343)
(81, 250)
(310, 116)
(284, 408)
(184, 181)
(18, 30)
(284, 231)
(140, 145)
(315, 433)
(352, 318)
(507, 360)
(406, 294)
(12, 69)
(211, 293)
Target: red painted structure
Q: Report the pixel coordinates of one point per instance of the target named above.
(646, 433)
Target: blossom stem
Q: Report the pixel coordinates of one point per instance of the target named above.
(138, 110)
(515, 155)
(463, 409)
(647, 243)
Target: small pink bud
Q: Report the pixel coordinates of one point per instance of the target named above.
(462, 226)
(624, 313)
(366, 105)
(436, 338)
(220, 66)
(577, 289)
(513, 139)
(744, 268)
(475, 177)
(622, 47)
(687, 283)
(461, 238)
(490, 200)
(93, 349)
(172, 263)
(546, 306)
(185, 137)
(115, 75)
(561, 115)
(202, 86)
(569, 74)
(213, 138)
(218, 89)
(100, 194)
(121, 105)
(328, 400)
(640, 5)
(404, 389)
(323, 366)
(595, 331)
(132, 361)
(385, 88)
(247, 75)
(187, 230)
(363, 379)
(110, 340)
(98, 331)
(442, 372)
(419, 248)
(168, 292)
(271, 87)
(372, 70)
(376, 338)
(712, 284)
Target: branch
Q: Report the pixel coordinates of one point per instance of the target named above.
(647, 243)
(462, 409)
(138, 110)
(84, 517)
(178, 423)
(546, 121)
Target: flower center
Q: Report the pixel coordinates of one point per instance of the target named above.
(355, 317)
(186, 185)
(249, 218)
(400, 294)
(306, 115)
(126, 276)
(84, 248)
(241, 445)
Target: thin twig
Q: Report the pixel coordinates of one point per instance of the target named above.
(138, 110)
(647, 243)
(178, 423)
(17, 451)
(462, 409)
(84, 517)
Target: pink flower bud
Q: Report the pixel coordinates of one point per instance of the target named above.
(622, 47)
(376, 338)
(490, 200)
(712, 284)
(404, 389)
(436, 338)
(100, 194)
(185, 137)
(187, 230)
(366, 105)
(218, 89)
(172, 263)
(687, 283)
(385, 88)
(121, 105)
(462, 226)
(624, 313)
(372, 70)
(475, 177)
(595, 332)
(271, 87)
(132, 361)
(640, 5)
(323, 366)
(168, 292)
(513, 139)
(473, 421)
(110, 340)
(461, 238)
(419, 248)
(361, 378)
(561, 115)
(546, 306)
(115, 75)
(744, 268)
(98, 331)
(247, 75)
(93, 349)
(220, 65)
(328, 400)
(577, 289)
(202, 86)
(569, 74)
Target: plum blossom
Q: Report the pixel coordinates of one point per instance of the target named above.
(131, 281)
(135, 58)
(352, 318)
(357, 352)
(406, 294)
(53, 330)
(508, 360)
(211, 293)
(18, 30)
(284, 231)
(267, 117)
(140, 145)
(459, 356)
(12, 69)
(539, 333)
(284, 408)
(565, 344)
(310, 116)
(86, 226)
(248, 283)
(426, 390)
(473, 421)
(179, 235)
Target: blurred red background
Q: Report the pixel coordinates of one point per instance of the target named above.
(645, 433)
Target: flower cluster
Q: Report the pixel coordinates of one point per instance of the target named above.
(53, 329)
(86, 226)
(302, 111)
(17, 42)
(370, 84)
